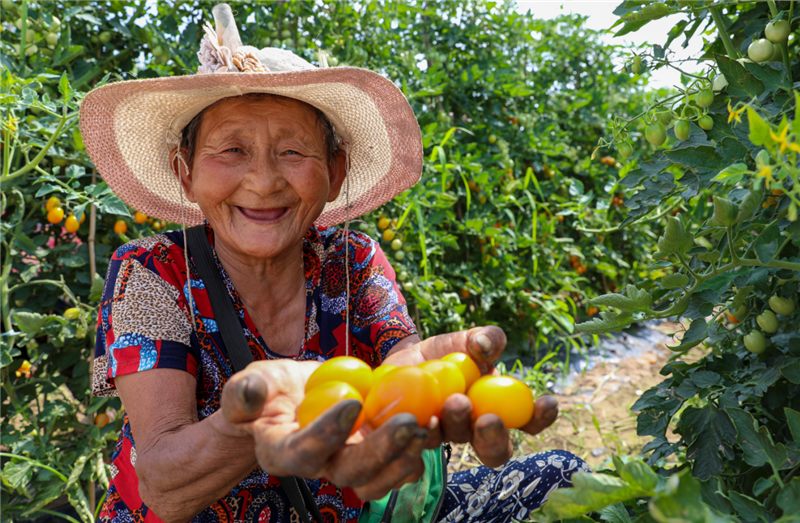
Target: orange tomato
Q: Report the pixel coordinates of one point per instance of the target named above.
(777, 192)
(465, 293)
(466, 365)
(732, 318)
(507, 397)
(139, 217)
(348, 369)
(102, 420)
(72, 224)
(383, 223)
(83, 217)
(120, 227)
(324, 397)
(52, 203)
(381, 372)
(55, 215)
(410, 390)
(592, 311)
(449, 377)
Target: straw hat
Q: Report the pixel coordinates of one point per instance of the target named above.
(130, 128)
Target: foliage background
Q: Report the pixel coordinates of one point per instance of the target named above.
(498, 230)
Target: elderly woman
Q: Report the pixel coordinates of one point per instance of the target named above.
(266, 152)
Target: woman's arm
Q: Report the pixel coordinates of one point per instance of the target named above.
(183, 465)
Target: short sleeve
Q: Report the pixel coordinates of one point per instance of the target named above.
(142, 324)
(379, 309)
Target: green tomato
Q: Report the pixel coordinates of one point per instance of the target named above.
(31, 50)
(656, 134)
(51, 39)
(665, 118)
(741, 312)
(73, 313)
(760, 50)
(783, 306)
(706, 123)
(301, 42)
(635, 68)
(492, 139)
(705, 98)
(768, 321)
(286, 33)
(397, 244)
(777, 32)
(720, 83)
(333, 61)
(682, 130)
(9, 5)
(403, 276)
(158, 51)
(399, 255)
(625, 149)
(755, 342)
(105, 37)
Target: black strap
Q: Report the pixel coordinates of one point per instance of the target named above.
(227, 320)
(238, 349)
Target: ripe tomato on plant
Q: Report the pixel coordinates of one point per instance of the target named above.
(120, 227)
(325, 396)
(102, 420)
(406, 389)
(52, 203)
(510, 399)
(72, 224)
(139, 217)
(342, 368)
(55, 215)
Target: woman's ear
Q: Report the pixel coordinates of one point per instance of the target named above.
(180, 168)
(337, 172)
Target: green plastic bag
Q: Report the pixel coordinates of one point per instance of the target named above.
(417, 502)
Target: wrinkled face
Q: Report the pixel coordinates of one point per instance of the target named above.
(260, 175)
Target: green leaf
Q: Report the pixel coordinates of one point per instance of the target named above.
(741, 297)
(639, 475)
(748, 508)
(675, 280)
(681, 501)
(697, 332)
(590, 492)
(18, 474)
(111, 204)
(759, 129)
(711, 432)
(756, 442)
(789, 497)
(793, 421)
(616, 513)
(77, 470)
(44, 495)
(606, 323)
(30, 322)
(731, 174)
(741, 82)
(647, 13)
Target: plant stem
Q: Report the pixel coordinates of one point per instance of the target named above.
(723, 32)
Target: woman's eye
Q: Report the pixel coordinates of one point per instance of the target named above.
(233, 150)
(292, 152)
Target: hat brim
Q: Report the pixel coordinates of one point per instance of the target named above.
(130, 128)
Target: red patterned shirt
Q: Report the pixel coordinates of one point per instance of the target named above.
(145, 324)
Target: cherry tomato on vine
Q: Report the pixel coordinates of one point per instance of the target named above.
(324, 397)
(83, 217)
(755, 342)
(656, 134)
(397, 244)
(507, 397)
(348, 369)
(777, 32)
(466, 365)
(665, 118)
(783, 306)
(682, 130)
(705, 98)
(55, 215)
(383, 223)
(388, 235)
(447, 375)
(637, 64)
(706, 123)
(406, 389)
(625, 149)
(720, 83)
(120, 227)
(72, 224)
(52, 203)
(760, 50)
(768, 321)
(492, 138)
(73, 313)
(102, 420)
(139, 217)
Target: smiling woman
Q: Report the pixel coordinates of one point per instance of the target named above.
(260, 175)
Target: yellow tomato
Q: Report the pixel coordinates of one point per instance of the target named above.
(139, 217)
(449, 377)
(72, 224)
(406, 389)
(83, 217)
(383, 223)
(324, 397)
(343, 368)
(120, 227)
(52, 203)
(467, 367)
(507, 397)
(388, 235)
(73, 313)
(55, 215)
(382, 371)
(102, 420)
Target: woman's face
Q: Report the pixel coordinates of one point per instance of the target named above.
(260, 174)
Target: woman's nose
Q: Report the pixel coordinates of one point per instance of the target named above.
(264, 175)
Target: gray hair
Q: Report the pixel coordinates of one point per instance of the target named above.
(192, 129)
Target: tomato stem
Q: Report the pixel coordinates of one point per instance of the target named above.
(719, 22)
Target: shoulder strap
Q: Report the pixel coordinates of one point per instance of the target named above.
(227, 320)
(232, 335)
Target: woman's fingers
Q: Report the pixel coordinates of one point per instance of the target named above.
(490, 441)
(456, 420)
(407, 466)
(284, 451)
(243, 397)
(544, 414)
(486, 344)
(359, 464)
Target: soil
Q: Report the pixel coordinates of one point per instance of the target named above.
(596, 420)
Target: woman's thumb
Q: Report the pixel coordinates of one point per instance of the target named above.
(243, 397)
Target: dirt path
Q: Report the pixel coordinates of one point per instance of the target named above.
(596, 420)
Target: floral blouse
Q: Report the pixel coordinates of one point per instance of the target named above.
(144, 323)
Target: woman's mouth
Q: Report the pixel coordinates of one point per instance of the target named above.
(264, 216)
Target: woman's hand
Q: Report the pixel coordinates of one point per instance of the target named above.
(262, 400)
(487, 434)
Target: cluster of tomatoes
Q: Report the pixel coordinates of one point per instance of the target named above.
(418, 390)
(755, 341)
(608, 160)
(769, 49)
(24, 369)
(577, 264)
(389, 235)
(618, 200)
(55, 215)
